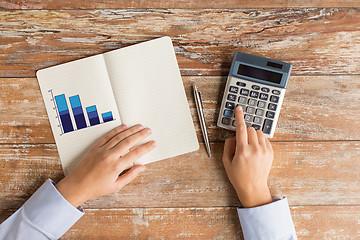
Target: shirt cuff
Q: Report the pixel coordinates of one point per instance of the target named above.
(50, 212)
(270, 221)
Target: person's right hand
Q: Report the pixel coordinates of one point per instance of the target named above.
(247, 159)
(98, 171)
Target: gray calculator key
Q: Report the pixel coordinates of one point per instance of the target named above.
(261, 104)
(226, 121)
(270, 114)
(267, 126)
(248, 124)
(248, 118)
(276, 92)
(260, 112)
(241, 84)
(265, 89)
(244, 92)
(257, 120)
(272, 107)
(231, 97)
(250, 110)
(233, 89)
(228, 113)
(242, 100)
(234, 123)
(255, 87)
(263, 96)
(274, 99)
(230, 105)
(252, 102)
(257, 127)
(254, 94)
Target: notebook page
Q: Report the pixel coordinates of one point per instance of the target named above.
(148, 89)
(80, 105)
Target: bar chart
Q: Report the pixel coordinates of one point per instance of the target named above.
(75, 119)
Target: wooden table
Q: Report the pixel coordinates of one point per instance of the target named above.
(316, 143)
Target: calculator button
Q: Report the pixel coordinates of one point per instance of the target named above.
(267, 126)
(250, 110)
(274, 99)
(276, 92)
(254, 94)
(244, 92)
(231, 97)
(272, 107)
(258, 120)
(248, 118)
(261, 104)
(241, 84)
(257, 127)
(242, 106)
(248, 124)
(263, 96)
(228, 113)
(233, 89)
(265, 89)
(226, 121)
(270, 114)
(252, 102)
(230, 105)
(260, 112)
(242, 100)
(255, 87)
(234, 123)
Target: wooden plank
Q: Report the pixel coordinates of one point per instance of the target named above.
(315, 108)
(314, 40)
(315, 173)
(82, 4)
(311, 222)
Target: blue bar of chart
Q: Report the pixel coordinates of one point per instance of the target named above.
(107, 117)
(64, 113)
(66, 119)
(78, 112)
(93, 115)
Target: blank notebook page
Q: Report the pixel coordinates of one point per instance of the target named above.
(148, 89)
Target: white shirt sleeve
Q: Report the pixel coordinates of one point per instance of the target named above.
(45, 215)
(269, 222)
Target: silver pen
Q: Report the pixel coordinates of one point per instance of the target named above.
(200, 111)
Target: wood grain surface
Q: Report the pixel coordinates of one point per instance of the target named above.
(96, 4)
(315, 108)
(314, 40)
(309, 173)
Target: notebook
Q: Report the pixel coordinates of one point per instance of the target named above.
(141, 83)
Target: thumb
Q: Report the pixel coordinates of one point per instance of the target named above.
(129, 176)
(229, 151)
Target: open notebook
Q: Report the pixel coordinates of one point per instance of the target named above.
(141, 83)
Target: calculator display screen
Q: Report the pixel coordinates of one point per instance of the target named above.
(258, 73)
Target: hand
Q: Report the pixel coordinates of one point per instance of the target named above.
(247, 159)
(97, 173)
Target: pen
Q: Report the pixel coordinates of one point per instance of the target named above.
(200, 111)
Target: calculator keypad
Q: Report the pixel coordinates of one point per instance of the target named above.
(259, 104)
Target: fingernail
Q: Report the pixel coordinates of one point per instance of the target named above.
(123, 126)
(140, 126)
(148, 130)
(239, 108)
(153, 143)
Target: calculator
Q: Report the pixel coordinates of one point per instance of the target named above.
(258, 85)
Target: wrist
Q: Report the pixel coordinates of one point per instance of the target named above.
(71, 192)
(254, 196)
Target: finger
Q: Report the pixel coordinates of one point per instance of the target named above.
(110, 135)
(261, 138)
(121, 136)
(229, 151)
(129, 176)
(268, 144)
(129, 158)
(241, 133)
(252, 136)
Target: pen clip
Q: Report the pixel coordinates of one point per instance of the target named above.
(202, 105)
